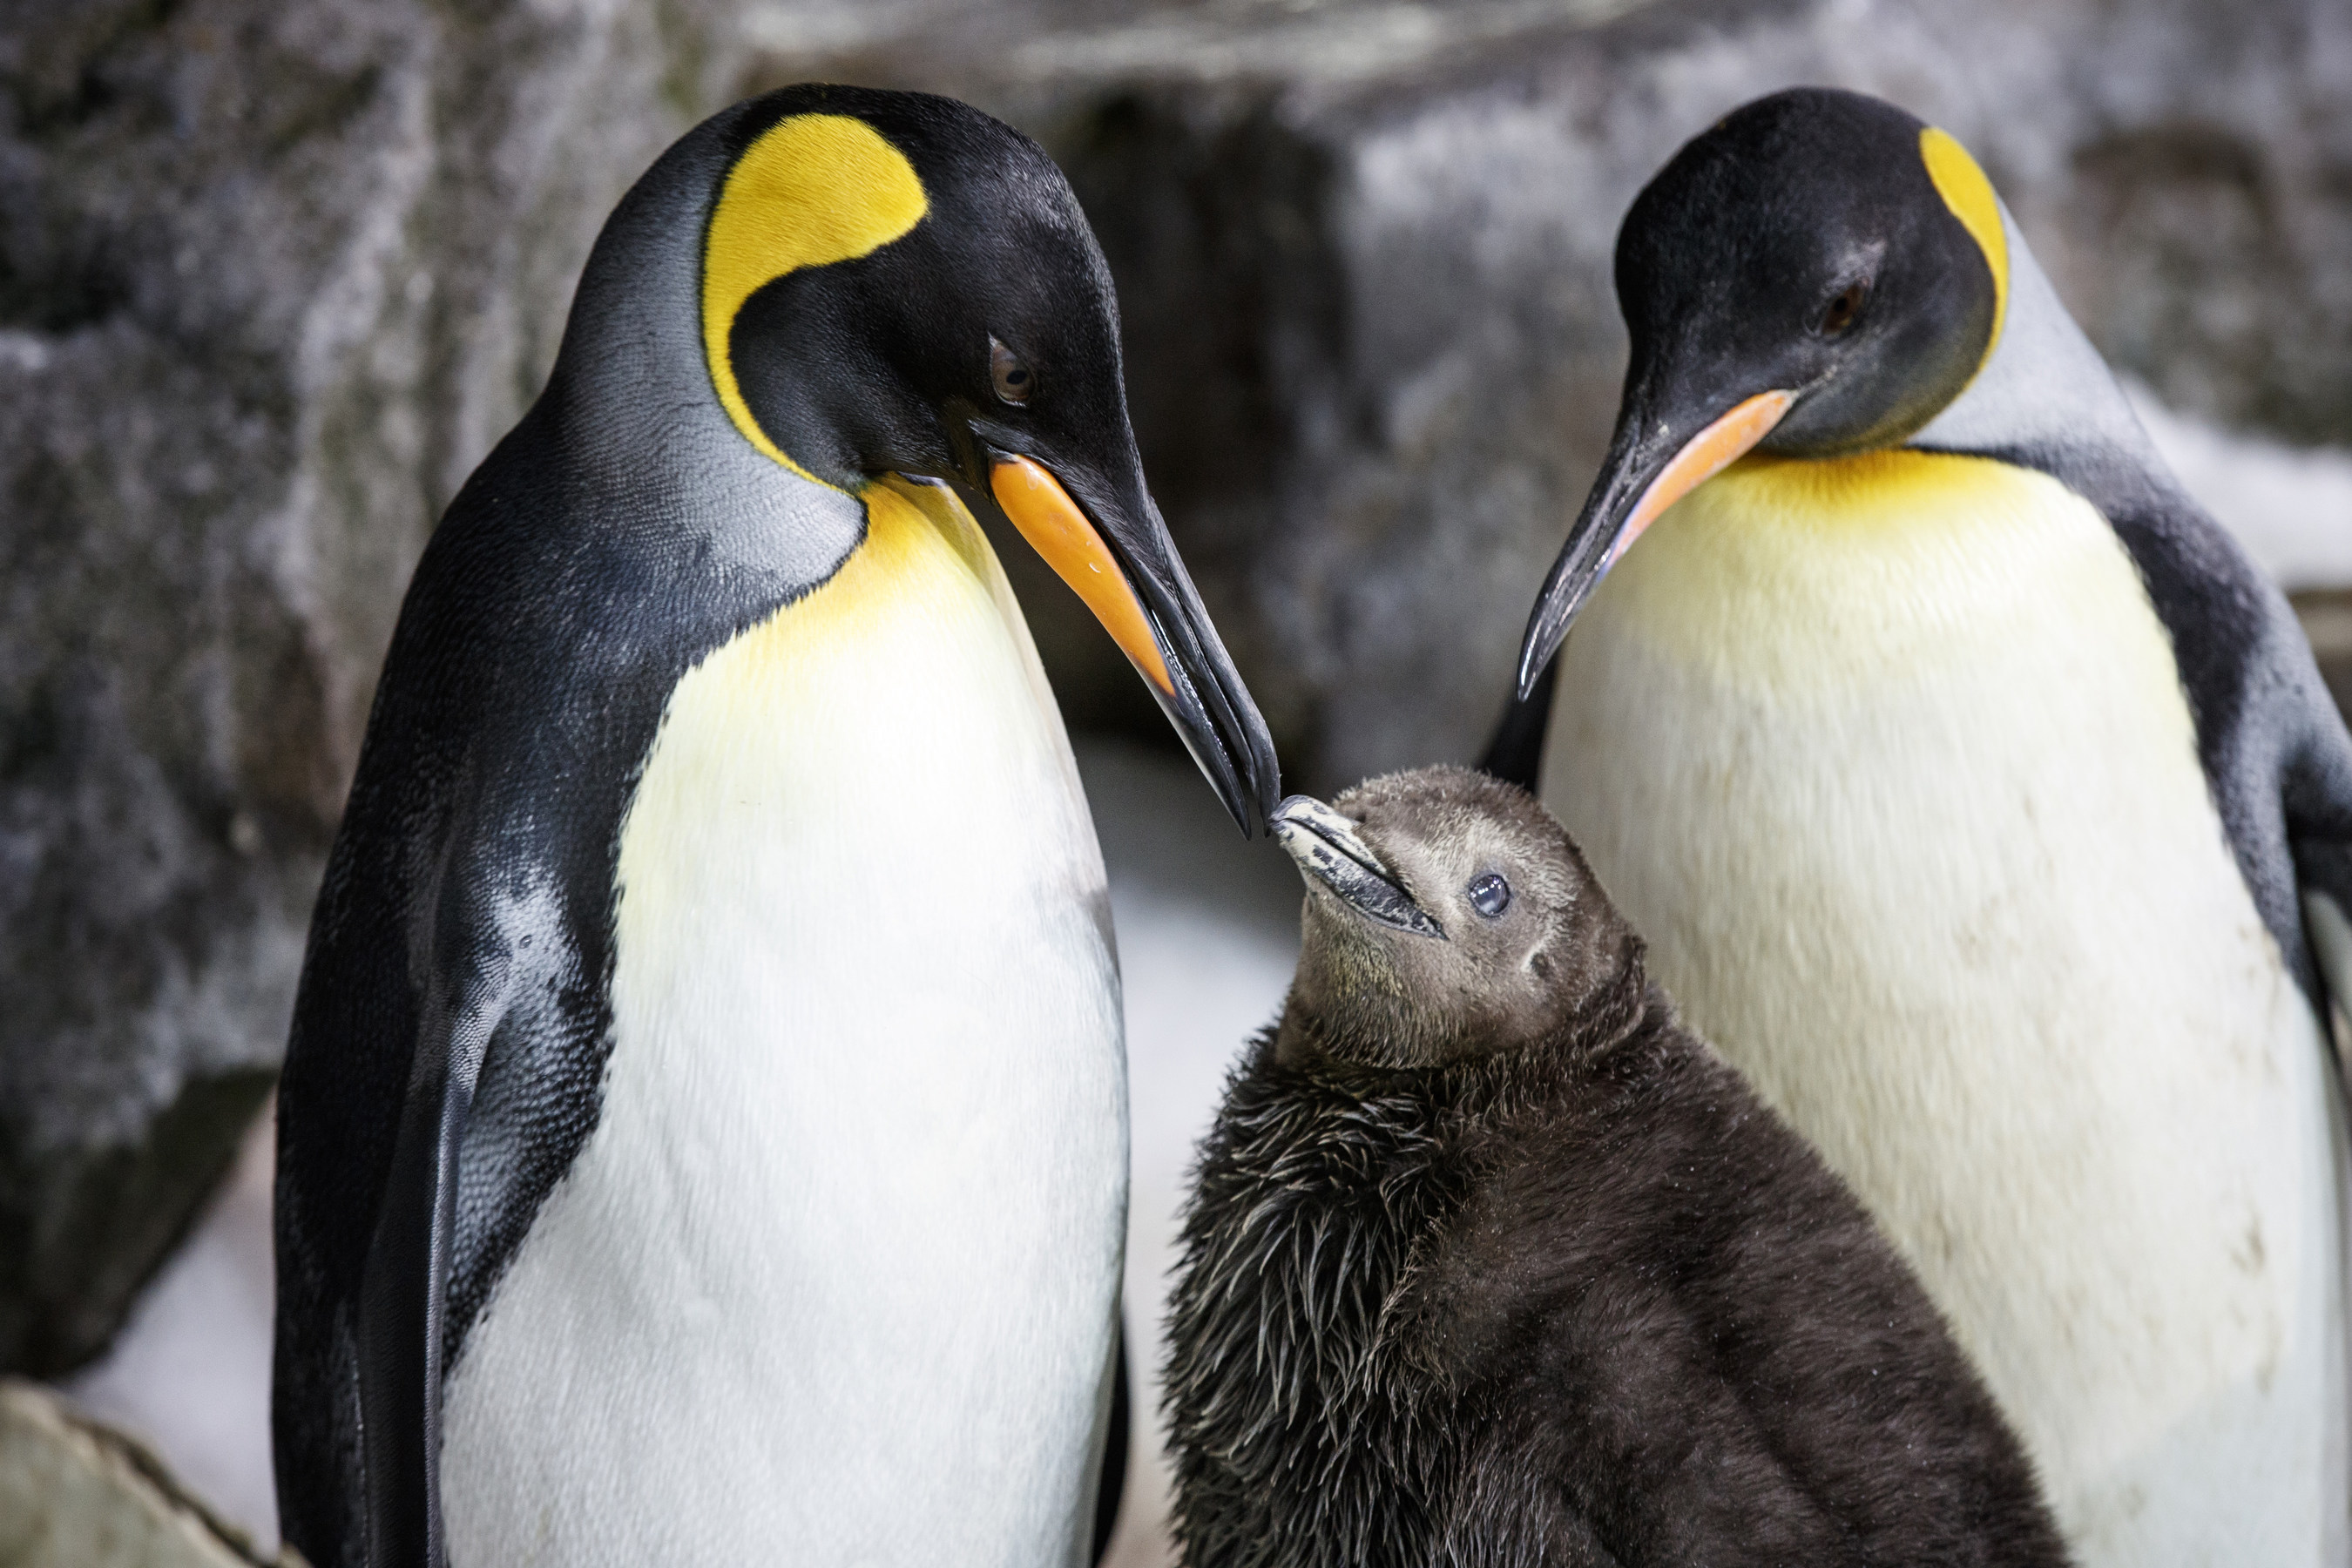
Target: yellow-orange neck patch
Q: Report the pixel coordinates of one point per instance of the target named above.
(813, 189)
(1970, 195)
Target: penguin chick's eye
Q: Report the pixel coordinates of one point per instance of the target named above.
(1490, 895)
(1014, 382)
(1843, 308)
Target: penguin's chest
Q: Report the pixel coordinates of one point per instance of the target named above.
(1889, 761)
(833, 1279)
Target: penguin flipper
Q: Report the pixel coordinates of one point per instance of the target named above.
(404, 1290)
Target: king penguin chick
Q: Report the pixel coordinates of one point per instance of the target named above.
(1983, 805)
(703, 1136)
(1490, 1260)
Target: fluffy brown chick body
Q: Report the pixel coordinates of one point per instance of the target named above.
(1491, 1261)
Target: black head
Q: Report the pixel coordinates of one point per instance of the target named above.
(1448, 915)
(897, 283)
(973, 315)
(1819, 274)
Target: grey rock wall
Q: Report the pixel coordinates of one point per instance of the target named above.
(272, 277)
(275, 273)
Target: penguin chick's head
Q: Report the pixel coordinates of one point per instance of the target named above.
(897, 283)
(1818, 274)
(1448, 916)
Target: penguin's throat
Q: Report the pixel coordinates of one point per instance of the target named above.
(1893, 487)
(1814, 576)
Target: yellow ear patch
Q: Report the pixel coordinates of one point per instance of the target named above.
(1969, 193)
(812, 190)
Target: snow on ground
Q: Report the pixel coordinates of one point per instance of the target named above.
(1207, 932)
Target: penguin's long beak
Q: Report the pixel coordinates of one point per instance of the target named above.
(1653, 463)
(1116, 553)
(1330, 851)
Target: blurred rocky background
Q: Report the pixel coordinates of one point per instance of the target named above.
(274, 274)
(75, 1491)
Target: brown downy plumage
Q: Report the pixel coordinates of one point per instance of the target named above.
(1491, 1261)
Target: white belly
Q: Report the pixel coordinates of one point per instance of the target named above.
(834, 1280)
(1903, 792)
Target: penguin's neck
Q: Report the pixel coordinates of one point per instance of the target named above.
(1888, 757)
(1812, 579)
(2044, 391)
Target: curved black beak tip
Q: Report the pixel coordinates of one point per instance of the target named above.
(1653, 463)
(1331, 854)
(1207, 703)
(1546, 629)
(1109, 544)
(1578, 570)
(1220, 726)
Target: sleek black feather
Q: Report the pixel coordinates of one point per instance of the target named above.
(1562, 1291)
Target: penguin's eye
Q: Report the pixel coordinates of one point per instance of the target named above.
(1490, 895)
(1015, 383)
(1843, 308)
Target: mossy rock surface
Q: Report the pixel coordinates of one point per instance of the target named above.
(74, 1494)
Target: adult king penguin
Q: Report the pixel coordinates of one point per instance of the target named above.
(703, 1135)
(1983, 804)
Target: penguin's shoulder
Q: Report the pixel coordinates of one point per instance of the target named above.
(2270, 742)
(542, 637)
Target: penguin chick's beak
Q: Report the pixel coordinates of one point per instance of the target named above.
(1649, 467)
(1329, 851)
(1128, 573)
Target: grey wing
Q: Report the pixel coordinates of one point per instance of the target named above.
(378, 1081)
(2274, 746)
(2331, 941)
(404, 1290)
